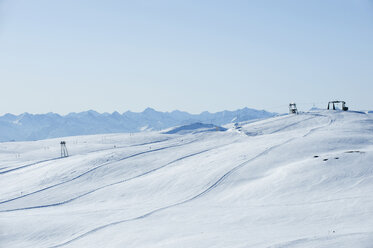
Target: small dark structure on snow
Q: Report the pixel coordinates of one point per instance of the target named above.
(293, 108)
(332, 105)
(64, 152)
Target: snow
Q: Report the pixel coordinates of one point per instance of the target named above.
(195, 128)
(288, 181)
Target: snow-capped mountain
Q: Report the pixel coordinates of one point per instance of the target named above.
(41, 126)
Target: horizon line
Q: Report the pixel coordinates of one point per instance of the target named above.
(147, 108)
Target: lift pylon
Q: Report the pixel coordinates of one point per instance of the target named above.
(64, 152)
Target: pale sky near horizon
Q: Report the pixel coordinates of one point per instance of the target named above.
(74, 55)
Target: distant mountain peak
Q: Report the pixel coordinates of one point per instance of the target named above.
(149, 110)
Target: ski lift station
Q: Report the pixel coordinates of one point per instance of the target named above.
(293, 108)
(334, 105)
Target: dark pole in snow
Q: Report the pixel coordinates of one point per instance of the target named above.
(64, 152)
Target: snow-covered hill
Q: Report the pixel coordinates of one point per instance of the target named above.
(195, 128)
(290, 181)
(42, 126)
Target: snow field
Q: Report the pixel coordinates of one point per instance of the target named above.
(289, 181)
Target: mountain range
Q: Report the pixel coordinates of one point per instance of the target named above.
(26, 127)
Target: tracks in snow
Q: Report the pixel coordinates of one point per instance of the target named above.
(28, 165)
(99, 150)
(108, 185)
(93, 169)
(204, 192)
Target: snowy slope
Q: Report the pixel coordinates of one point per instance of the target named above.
(290, 181)
(195, 128)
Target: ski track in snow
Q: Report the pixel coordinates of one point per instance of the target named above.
(28, 165)
(291, 125)
(331, 121)
(99, 150)
(108, 185)
(304, 241)
(91, 170)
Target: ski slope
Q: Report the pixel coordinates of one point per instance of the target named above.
(290, 181)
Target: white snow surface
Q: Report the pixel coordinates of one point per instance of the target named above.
(261, 186)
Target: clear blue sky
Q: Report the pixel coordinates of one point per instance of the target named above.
(74, 55)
